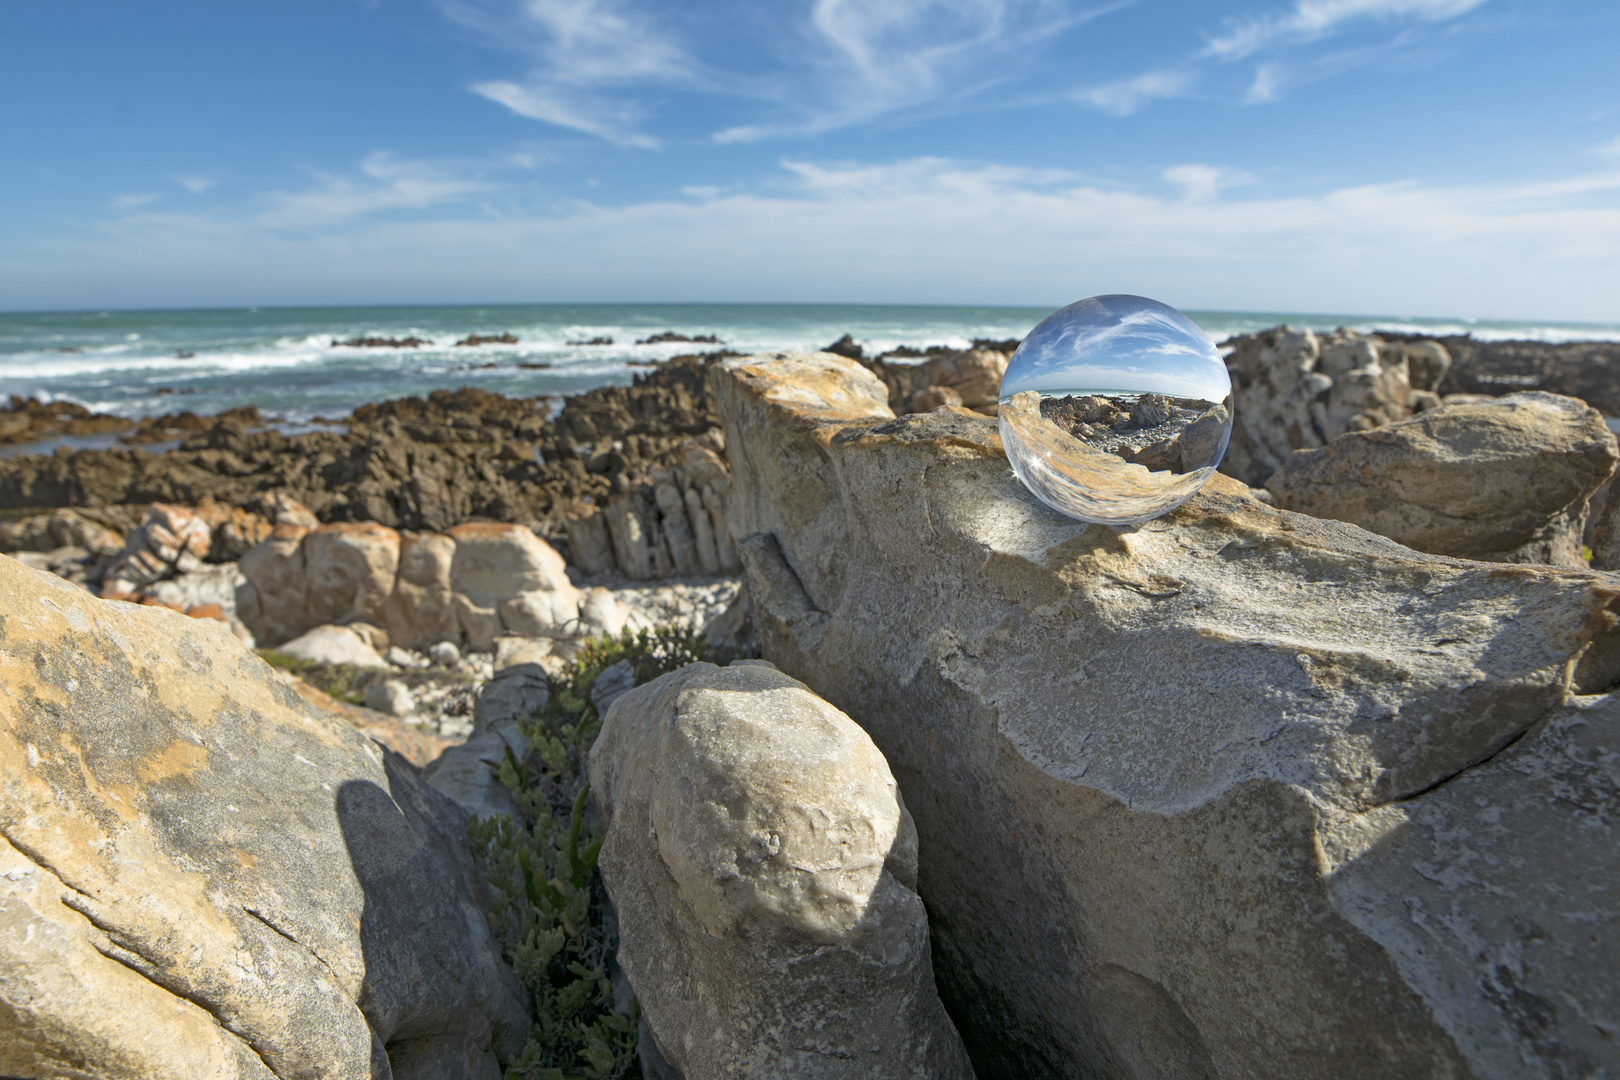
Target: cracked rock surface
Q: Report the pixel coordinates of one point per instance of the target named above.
(1235, 792)
(203, 876)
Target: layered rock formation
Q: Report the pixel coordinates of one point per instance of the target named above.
(1297, 390)
(1236, 792)
(763, 869)
(202, 876)
(1503, 481)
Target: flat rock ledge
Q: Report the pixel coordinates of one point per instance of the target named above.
(203, 876)
(1235, 792)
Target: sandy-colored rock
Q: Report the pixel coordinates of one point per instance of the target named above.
(420, 612)
(349, 571)
(272, 602)
(332, 645)
(1506, 481)
(493, 562)
(973, 376)
(203, 877)
(1173, 783)
(761, 864)
(540, 614)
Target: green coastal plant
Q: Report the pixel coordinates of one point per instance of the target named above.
(549, 904)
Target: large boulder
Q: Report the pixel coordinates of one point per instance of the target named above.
(349, 571)
(1234, 792)
(763, 870)
(505, 578)
(1504, 481)
(203, 876)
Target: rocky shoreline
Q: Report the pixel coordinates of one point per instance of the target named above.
(1265, 790)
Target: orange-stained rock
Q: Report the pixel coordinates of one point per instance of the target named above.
(206, 611)
(202, 876)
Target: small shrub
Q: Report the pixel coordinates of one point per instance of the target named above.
(549, 900)
(342, 681)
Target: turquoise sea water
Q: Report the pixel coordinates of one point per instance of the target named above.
(282, 359)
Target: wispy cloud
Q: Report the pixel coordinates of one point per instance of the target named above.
(130, 202)
(586, 57)
(196, 184)
(384, 184)
(1283, 38)
(1312, 20)
(1608, 149)
(551, 104)
(1128, 95)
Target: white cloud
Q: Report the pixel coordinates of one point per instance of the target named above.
(130, 202)
(1608, 149)
(387, 185)
(1128, 95)
(196, 184)
(928, 231)
(549, 104)
(1312, 20)
(1201, 183)
(585, 56)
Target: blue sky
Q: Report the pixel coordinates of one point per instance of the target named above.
(1422, 157)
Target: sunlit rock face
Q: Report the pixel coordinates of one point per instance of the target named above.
(1234, 792)
(201, 876)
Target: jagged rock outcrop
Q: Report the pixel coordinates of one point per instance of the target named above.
(1580, 369)
(414, 463)
(1235, 792)
(762, 867)
(202, 876)
(1297, 390)
(1504, 481)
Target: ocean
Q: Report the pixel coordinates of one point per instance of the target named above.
(287, 361)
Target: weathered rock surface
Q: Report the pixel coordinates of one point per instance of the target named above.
(762, 867)
(1506, 481)
(1235, 792)
(1296, 390)
(201, 876)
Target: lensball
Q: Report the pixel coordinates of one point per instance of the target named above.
(1116, 409)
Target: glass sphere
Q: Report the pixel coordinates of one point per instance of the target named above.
(1116, 410)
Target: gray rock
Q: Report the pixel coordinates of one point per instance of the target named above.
(201, 876)
(761, 865)
(392, 697)
(1506, 481)
(444, 653)
(465, 773)
(515, 693)
(613, 681)
(1173, 783)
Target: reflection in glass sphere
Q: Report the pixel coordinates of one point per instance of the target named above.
(1116, 409)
